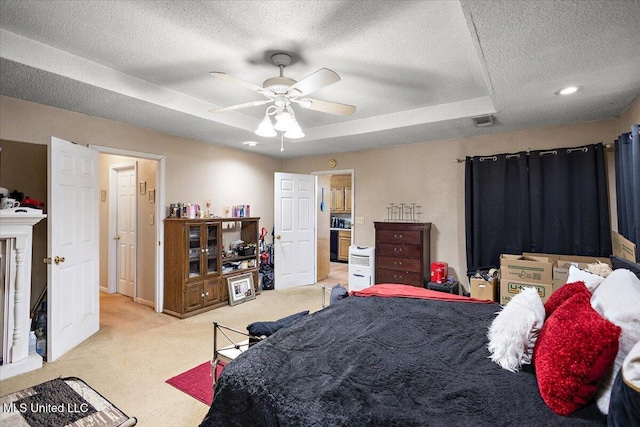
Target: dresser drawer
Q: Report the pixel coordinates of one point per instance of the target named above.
(406, 237)
(404, 264)
(399, 250)
(384, 275)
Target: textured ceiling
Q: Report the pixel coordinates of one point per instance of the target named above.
(415, 70)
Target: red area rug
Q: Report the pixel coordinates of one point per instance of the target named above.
(197, 382)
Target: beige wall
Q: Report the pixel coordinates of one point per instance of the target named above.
(23, 167)
(428, 174)
(194, 172)
(631, 116)
(425, 173)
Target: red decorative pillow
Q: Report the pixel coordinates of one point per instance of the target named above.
(561, 295)
(575, 349)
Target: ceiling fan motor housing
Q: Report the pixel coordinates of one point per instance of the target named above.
(278, 85)
(283, 90)
(281, 101)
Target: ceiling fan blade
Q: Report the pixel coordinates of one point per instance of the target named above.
(316, 81)
(239, 106)
(327, 106)
(225, 76)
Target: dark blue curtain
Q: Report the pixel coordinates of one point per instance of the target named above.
(569, 201)
(551, 201)
(496, 208)
(627, 153)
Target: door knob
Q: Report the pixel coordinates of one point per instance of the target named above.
(116, 237)
(57, 260)
(278, 236)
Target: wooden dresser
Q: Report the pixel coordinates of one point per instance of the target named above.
(402, 252)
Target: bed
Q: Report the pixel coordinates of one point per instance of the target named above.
(386, 357)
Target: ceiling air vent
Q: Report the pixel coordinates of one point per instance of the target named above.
(483, 121)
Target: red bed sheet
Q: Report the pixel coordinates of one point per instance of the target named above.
(407, 291)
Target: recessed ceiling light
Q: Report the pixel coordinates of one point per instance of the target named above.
(567, 90)
(250, 143)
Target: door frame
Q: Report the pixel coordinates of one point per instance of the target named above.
(113, 204)
(159, 212)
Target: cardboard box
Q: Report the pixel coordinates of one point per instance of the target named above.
(510, 288)
(557, 284)
(556, 258)
(560, 274)
(530, 269)
(560, 277)
(483, 289)
(622, 247)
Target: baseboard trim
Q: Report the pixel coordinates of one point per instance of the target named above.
(145, 302)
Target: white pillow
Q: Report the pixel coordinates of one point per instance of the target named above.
(513, 333)
(618, 300)
(592, 281)
(631, 367)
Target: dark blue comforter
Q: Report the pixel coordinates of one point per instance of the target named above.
(382, 362)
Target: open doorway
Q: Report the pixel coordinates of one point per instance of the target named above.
(130, 232)
(335, 222)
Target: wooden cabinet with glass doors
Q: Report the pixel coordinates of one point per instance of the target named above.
(195, 272)
(193, 281)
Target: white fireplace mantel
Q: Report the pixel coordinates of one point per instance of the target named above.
(16, 226)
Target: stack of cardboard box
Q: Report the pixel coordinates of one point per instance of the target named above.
(545, 272)
(520, 271)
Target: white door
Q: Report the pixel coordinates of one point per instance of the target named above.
(295, 222)
(72, 223)
(126, 231)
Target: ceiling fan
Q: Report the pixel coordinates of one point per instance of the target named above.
(282, 92)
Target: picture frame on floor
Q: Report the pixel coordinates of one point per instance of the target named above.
(241, 288)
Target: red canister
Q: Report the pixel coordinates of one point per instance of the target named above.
(439, 272)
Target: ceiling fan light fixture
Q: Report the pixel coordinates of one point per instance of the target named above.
(282, 91)
(295, 132)
(284, 121)
(266, 128)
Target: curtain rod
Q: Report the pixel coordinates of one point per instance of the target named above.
(508, 156)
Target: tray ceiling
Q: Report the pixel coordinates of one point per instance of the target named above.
(416, 71)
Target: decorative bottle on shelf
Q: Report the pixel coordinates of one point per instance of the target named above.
(32, 342)
(41, 345)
